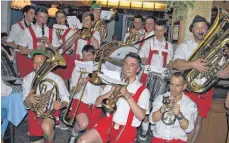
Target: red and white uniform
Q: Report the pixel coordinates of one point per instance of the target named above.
(121, 126)
(158, 54)
(90, 94)
(174, 133)
(204, 101)
(146, 43)
(34, 123)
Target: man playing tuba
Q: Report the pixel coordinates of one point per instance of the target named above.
(39, 128)
(131, 109)
(199, 28)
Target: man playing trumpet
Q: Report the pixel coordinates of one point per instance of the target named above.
(184, 109)
(131, 109)
(39, 128)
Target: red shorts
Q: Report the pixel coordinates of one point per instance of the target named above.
(106, 130)
(34, 123)
(159, 140)
(203, 101)
(94, 114)
(24, 64)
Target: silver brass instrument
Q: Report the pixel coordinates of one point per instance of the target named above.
(168, 117)
(42, 109)
(214, 50)
(66, 118)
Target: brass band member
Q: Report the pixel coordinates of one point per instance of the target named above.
(199, 28)
(183, 108)
(96, 11)
(131, 109)
(39, 128)
(87, 113)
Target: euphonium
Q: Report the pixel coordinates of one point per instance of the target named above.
(168, 117)
(66, 118)
(214, 50)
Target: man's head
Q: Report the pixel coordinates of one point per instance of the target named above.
(88, 52)
(41, 16)
(150, 23)
(88, 19)
(38, 56)
(160, 29)
(177, 84)
(138, 22)
(96, 11)
(29, 12)
(131, 65)
(199, 27)
(3, 37)
(61, 17)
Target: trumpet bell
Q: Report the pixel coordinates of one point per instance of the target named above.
(109, 105)
(168, 118)
(95, 79)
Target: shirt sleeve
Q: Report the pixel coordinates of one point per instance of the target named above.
(13, 34)
(64, 94)
(144, 51)
(97, 36)
(26, 87)
(190, 114)
(156, 106)
(180, 52)
(24, 39)
(143, 101)
(170, 52)
(75, 77)
(125, 37)
(55, 40)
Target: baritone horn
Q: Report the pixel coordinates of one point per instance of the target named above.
(68, 119)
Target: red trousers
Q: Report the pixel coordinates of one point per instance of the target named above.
(24, 64)
(159, 140)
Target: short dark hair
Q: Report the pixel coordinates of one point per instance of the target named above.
(3, 34)
(135, 56)
(86, 14)
(151, 17)
(162, 23)
(42, 9)
(27, 8)
(88, 48)
(138, 16)
(61, 11)
(179, 74)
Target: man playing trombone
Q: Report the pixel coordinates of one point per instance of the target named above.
(86, 112)
(131, 109)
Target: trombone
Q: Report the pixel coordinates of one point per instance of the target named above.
(66, 118)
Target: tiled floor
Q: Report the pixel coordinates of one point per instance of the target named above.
(21, 135)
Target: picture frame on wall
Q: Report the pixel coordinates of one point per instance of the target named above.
(176, 32)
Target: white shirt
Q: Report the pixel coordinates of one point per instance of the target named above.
(63, 92)
(189, 110)
(16, 32)
(81, 43)
(91, 91)
(123, 108)
(27, 40)
(157, 59)
(5, 89)
(185, 50)
(146, 43)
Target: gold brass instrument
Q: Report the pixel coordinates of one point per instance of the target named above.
(101, 25)
(53, 59)
(66, 118)
(168, 117)
(135, 36)
(214, 50)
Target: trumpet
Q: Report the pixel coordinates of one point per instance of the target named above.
(66, 118)
(168, 117)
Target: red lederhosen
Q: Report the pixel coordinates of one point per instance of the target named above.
(94, 114)
(125, 134)
(34, 123)
(151, 52)
(24, 63)
(203, 101)
(159, 140)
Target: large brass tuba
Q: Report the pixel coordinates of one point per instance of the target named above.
(214, 50)
(44, 108)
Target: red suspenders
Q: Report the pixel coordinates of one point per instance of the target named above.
(65, 34)
(21, 26)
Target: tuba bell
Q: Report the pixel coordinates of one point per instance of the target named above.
(214, 49)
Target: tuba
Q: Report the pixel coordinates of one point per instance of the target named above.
(214, 50)
(44, 108)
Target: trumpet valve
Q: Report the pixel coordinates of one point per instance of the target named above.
(109, 105)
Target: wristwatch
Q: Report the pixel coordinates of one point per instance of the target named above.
(180, 116)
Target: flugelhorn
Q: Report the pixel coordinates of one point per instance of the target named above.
(168, 117)
(66, 118)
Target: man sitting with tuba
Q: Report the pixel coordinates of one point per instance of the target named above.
(87, 113)
(39, 128)
(184, 51)
(131, 109)
(182, 109)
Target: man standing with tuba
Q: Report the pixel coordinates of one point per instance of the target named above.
(39, 128)
(182, 107)
(87, 113)
(131, 109)
(199, 28)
